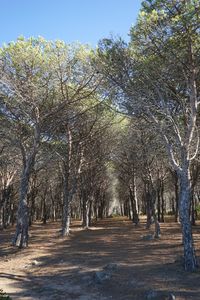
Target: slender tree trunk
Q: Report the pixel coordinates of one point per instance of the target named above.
(6, 193)
(85, 210)
(157, 227)
(155, 218)
(148, 210)
(134, 208)
(66, 204)
(190, 262)
(90, 214)
(162, 202)
(192, 208)
(158, 202)
(176, 190)
(44, 217)
(87, 215)
(66, 218)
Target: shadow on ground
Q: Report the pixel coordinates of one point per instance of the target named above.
(65, 268)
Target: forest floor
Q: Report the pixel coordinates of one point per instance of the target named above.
(111, 260)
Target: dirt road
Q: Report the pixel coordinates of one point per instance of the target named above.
(112, 260)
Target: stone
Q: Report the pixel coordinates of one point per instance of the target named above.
(101, 276)
(148, 237)
(106, 273)
(110, 267)
(35, 263)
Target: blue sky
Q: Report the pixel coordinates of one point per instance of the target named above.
(86, 21)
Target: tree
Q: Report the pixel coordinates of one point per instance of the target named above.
(40, 81)
(157, 77)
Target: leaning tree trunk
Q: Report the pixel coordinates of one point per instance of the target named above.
(190, 262)
(21, 234)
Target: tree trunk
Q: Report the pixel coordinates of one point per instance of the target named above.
(134, 208)
(190, 262)
(87, 216)
(6, 208)
(158, 202)
(44, 217)
(176, 197)
(192, 208)
(85, 210)
(90, 214)
(162, 202)
(66, 204)
(66, 218)
(155, 219)
(148, 210)
(21, 234)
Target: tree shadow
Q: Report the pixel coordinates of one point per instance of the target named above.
(67, 271)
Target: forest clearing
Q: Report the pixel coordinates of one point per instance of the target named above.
(57, 268)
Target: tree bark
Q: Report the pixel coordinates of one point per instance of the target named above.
(158, 201)
(66, 204)
(148, 210)
(176, 196)
(134, 207)
(190, 262)
(21, 234)
(162, 202)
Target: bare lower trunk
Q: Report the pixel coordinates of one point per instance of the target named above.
(158, 203)
(148, 210)
(21, 234)
(87, 216)
(157, 227)
(176, 197)
(151, 213)
(66, 219)
(66, 205)
(157, 231)
(190, 262)
(134, 208)
(162, 202)
(192, 212)
(85, 210)
(67, 200)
